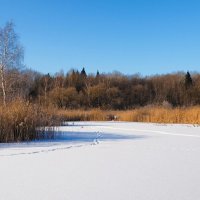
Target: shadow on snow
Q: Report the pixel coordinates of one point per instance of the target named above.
(60, 137)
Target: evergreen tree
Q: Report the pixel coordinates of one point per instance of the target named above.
(97, 75)
(188, 80)
(83, 73)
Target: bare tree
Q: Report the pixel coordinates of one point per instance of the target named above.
(11, 54)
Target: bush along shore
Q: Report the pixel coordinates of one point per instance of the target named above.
(24, 121)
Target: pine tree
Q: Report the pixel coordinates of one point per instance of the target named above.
(188, 80)
(83, 73)
(97, 75)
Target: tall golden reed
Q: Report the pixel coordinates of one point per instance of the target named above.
(19, 121)
(154, 114)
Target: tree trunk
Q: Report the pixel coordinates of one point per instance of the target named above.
(3, 85)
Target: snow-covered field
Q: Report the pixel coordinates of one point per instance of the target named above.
(105, 161)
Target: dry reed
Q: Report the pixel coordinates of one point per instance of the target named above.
(21, 121)
(188, 115)
(85, 115)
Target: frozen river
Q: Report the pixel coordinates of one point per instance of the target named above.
(104, 161)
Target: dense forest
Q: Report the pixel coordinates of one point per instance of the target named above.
(106, 91)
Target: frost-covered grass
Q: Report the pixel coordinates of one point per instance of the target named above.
(105, 160)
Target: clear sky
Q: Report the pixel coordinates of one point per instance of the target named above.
(145, 36)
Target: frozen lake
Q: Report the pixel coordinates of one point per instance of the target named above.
(104, 161)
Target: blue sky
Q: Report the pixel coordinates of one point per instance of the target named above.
(145, 36)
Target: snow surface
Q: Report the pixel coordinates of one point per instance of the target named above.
(105, 161)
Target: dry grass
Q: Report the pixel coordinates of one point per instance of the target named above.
(19, 121)
(85, 115)
(189, 115)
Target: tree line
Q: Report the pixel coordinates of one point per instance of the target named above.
(115, 91)
(106, 91)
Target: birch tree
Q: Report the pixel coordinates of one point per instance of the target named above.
(11, 55)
